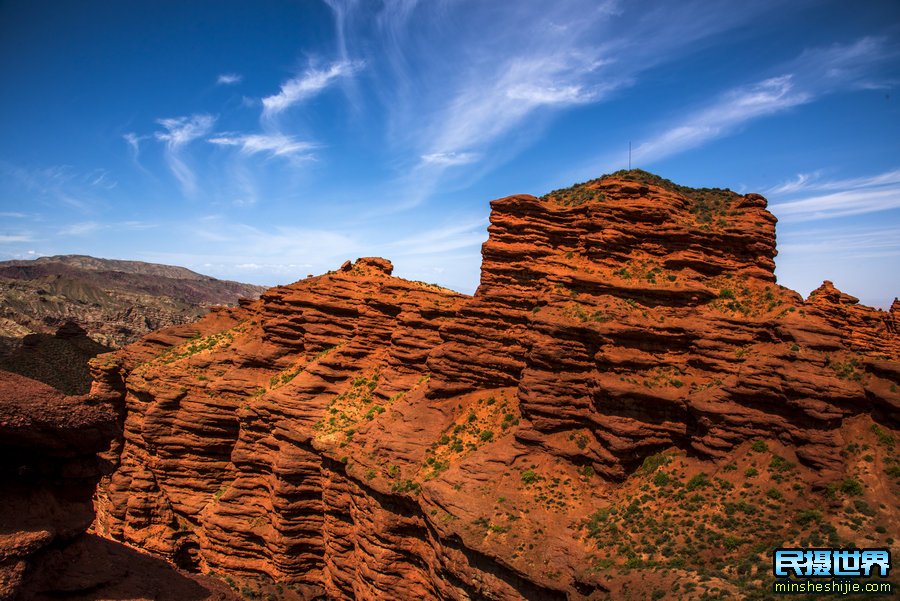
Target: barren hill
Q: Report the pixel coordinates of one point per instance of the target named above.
(115, 301)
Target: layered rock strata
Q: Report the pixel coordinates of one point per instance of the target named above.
(359, 436)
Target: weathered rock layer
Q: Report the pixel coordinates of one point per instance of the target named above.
(357, 435)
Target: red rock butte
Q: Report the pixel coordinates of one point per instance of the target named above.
(360, 436)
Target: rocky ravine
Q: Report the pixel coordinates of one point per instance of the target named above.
(628, 405)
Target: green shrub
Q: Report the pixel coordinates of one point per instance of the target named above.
(806, 516)
(654, 462)
(373, 411)
(732, 542)
(852, 487)
(596, 521)
(863, 507)
(780, 464)
(661, 479)
(759, 446)
(698, 481)
(405, 486)
(846, 370)
(884, 437)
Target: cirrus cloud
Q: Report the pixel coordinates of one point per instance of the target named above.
(302, 87)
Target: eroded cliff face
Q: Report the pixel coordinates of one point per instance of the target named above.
(626, 362)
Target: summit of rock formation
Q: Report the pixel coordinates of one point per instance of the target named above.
(628, 405)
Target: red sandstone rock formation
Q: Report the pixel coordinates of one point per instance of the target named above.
(362, 436)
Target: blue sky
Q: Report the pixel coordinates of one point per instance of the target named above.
(265, 141)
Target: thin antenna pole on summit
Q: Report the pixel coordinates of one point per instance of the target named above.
(629, 155)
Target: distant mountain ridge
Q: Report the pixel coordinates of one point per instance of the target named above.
(134, 275)
(95, 264)
(115, 301)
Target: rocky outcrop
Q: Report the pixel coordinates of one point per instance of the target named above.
(360, 436)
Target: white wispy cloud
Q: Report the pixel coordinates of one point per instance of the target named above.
(313, 81)
(87, 228)
(10, 238)
(801, 182)
(858, 258)
(859, 243)
(179, 132)
(272, 255)
(854, 196)
(465, 79)
(133, 140)
(450, 158)
(551, 95)
(134, 144)
(844, 66)
(57, 184)
(813, 181)
(732, 109)
(483, 112)
(101, 178)
(80, 229)
(229, 79)
(470, 234)
(838, 204)
(273, 144)
(135, 225)
(183, 130)
(888, 178)
(815, 73)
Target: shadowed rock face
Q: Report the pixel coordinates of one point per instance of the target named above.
(52, 450)
(48, 469)
(60, 359)
(362, 436)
